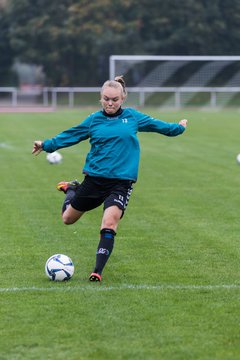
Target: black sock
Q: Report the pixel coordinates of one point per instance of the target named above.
(69, 195)
(105, 248)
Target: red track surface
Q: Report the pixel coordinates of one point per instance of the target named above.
(25, 109)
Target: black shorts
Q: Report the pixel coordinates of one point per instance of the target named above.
(95, 191)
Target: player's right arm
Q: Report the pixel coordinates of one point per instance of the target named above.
(66, 138)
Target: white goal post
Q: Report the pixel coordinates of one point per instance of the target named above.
(180, 80)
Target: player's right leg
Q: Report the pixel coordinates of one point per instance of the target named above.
(67, 185)
(69, 214)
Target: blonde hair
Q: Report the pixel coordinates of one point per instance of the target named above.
(117, 83)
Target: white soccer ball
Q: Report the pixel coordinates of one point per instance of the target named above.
(54, 157)
(59, 267)
(238, 158)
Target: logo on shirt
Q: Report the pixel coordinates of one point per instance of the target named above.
(124, 121)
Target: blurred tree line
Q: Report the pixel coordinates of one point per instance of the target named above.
(73, 39)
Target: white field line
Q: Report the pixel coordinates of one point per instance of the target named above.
(100, 287)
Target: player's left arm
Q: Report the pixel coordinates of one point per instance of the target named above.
(147, 123)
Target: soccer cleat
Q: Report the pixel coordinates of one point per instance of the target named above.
(65, 185)
(95, 277)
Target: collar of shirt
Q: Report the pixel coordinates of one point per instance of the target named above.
(119, 112)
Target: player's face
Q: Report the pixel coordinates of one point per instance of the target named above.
(111, 99)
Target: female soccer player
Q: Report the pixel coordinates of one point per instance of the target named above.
(111, 166)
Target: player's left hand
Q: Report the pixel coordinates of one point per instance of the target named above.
(183, 122)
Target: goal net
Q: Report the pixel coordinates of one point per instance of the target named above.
(180, 80)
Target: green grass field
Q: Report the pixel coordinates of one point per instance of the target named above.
(171, 288)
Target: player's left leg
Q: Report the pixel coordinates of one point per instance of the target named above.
(114, 207)
(111, 217)
(110, 221)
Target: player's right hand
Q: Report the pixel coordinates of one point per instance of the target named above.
(37, 147)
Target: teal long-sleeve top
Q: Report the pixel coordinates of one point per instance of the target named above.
(115, 150)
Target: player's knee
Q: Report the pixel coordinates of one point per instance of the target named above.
(111, 217)
(110, 223)
(70, 216)
(67, 220)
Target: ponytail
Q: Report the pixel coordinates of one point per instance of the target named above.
(120, 80)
